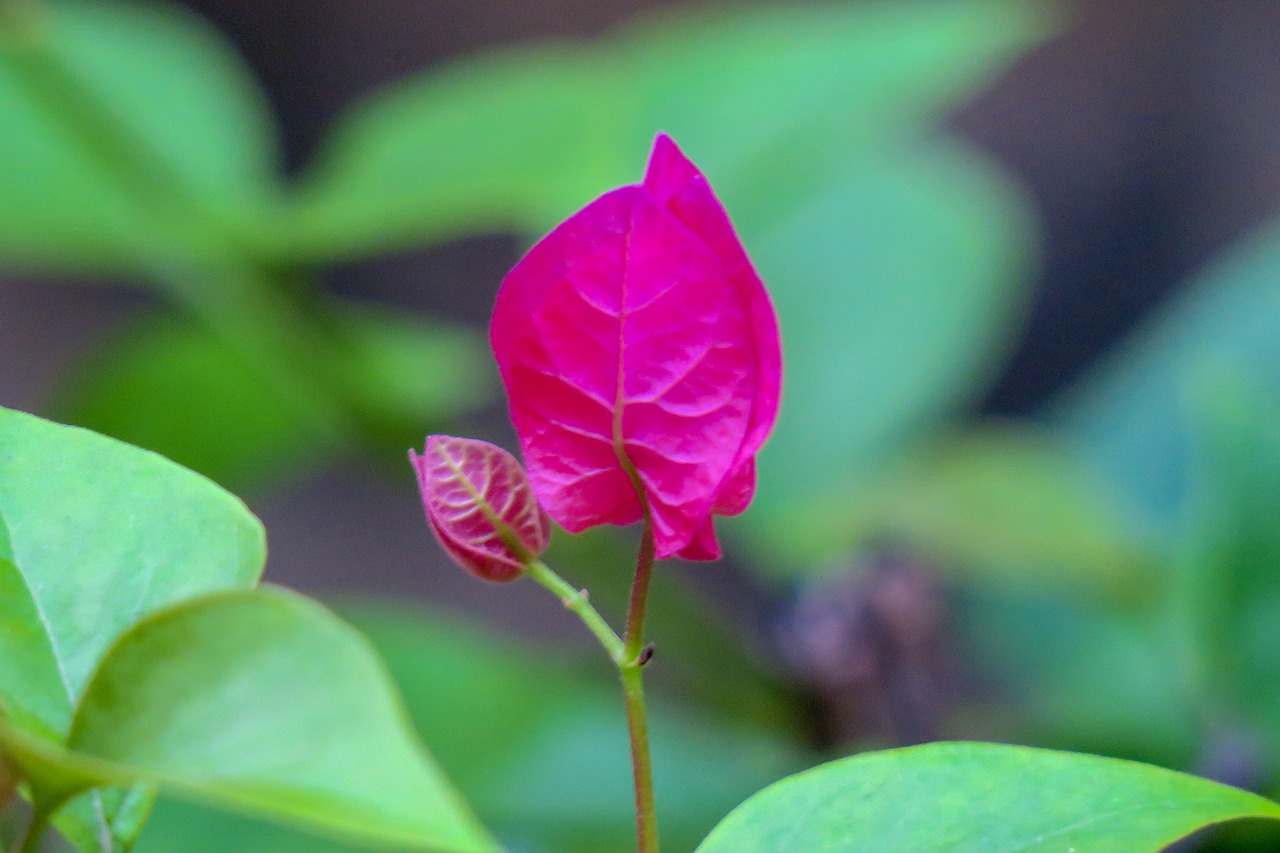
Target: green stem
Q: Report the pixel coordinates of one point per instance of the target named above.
(577, 601)
(634, 637)
(641, 762)
(632, 671)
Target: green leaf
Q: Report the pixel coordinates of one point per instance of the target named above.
(409, 376)
(895, 286)
(1008, 506)
(94, 535)
(520, 140)
(984, 798)
(259, 700)
(128, 127)
(264, 700)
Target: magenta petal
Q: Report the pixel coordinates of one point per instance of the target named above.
(703, 546)
(637, 335)
(469, 488)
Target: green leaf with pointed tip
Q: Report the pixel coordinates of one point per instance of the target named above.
(264, 700)
(261, 701)
(95, 534)
(980, 798)
(91, 80)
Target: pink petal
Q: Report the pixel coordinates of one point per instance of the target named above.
(681, 187)
(638, 333)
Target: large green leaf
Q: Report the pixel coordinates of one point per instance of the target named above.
(261, 700)
(980, 798)
(127, 127)
(95, 535)
(521, 140)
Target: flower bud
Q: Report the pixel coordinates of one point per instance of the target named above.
(479, 503)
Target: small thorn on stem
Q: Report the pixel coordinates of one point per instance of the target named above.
(573, 600)
(646, 655)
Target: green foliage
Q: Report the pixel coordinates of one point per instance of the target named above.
(136, 655)
(882, 334)
(265, 701)
(1135, 419)
(131, 131)
(980, 798)
(535, 739)
(177, 388)
(521, 140)
(1009, 507)
(96, 534)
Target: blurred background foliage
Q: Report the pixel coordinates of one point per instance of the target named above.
(1092, 562)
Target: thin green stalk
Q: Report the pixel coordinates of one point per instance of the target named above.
(632, 671)
(641, 762)
(577, 601)
(633, 639)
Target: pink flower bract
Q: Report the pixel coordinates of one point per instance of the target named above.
(470, 487)
(637, 334)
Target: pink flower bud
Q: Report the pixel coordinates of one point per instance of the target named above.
(480, 506)
(637, 337)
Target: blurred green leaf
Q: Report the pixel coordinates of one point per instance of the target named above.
(1072, 675)
(884, 331)
(1133, 417)
(980, 798)
(95, 534)
(1009, 506)
(521, 140)
(128, 128)
(1228, 553)
(536, 740)
(173, 386)
(410, 375)
(169, 384)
